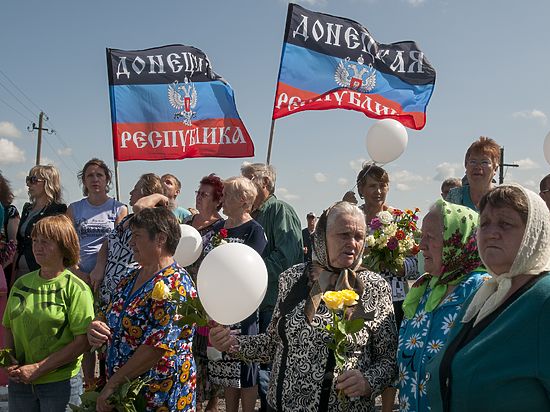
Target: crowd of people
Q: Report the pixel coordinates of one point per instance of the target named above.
(468, 334)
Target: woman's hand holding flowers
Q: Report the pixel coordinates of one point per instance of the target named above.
(353, 384)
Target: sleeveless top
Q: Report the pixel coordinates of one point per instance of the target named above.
(92, 224)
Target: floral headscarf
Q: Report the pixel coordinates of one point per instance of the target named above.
(330, 278)
(459, 257)
(532, 258)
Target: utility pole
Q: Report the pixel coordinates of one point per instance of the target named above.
(502, 165)
(41, 119)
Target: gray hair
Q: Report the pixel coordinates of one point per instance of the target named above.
(344, 208)
(260, 171)
(241, 188)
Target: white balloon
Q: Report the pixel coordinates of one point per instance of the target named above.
(386, 140)
(231, 282)
(547, 148)
(190, 246)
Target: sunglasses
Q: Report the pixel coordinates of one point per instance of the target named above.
(32, 180)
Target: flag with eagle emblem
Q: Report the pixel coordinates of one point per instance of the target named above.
(331, 62)
(168, 103)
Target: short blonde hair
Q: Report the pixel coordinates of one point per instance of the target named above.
(52, 182)
(60, 229)
(241, 188)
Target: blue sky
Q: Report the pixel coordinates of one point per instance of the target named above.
(491, 59)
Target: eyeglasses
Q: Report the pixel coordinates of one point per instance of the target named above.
(32, 180)
(202, 194)
(482, 163)
(544, 191)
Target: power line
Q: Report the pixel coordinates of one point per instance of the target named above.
(15, 110)
(16, 98)
(20, 91)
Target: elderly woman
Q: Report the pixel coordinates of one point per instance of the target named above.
(237, 377)
(497, 358)
(481, 163)
(45, 200)
(303, 375)
(46, 318)
(453, 273)
(140, 329)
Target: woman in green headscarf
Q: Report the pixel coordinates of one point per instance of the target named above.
(454, 272)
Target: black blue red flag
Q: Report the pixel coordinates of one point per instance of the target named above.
(331, 62)
(168, 103)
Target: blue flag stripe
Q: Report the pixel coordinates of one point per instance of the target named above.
(214, 100)
(308, 70)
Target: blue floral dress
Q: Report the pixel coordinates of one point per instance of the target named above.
(137, 320)
(423, 336)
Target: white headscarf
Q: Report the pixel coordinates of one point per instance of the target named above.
(533, 257)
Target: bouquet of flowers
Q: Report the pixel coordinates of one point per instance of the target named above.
(341, 328)
(392, 238)
(187, 313)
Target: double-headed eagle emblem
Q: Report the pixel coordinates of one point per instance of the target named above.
(353, 75)
(183, 97)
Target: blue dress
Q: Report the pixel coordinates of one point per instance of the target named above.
(423, 336)
(137, 319)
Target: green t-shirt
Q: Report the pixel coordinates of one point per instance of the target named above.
(45, 315)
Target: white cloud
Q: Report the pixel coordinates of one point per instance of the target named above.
(8, 129)
(320, 177)
(65, 152)
(527, 164)
(285, 194)
(534, 114)
(46, 161)
(531, 184)
(10, 152)
(404, 176)
(446, 170)
(415, 3)
(343, 181)
(357, 164)
(402, 187)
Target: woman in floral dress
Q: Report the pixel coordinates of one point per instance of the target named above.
(143, 337)
(453, 274)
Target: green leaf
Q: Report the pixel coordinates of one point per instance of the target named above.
(354, 326)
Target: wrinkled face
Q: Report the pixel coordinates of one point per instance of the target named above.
(480, 169)
(431, 243)
(204, 198)
(345, 239)
(46, 251)
(136, 193)
(231, 203)
(374, 192)
(142, 245)
(95, 180)
(499, 237)
(170, 187)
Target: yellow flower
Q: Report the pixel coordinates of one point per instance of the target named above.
(333, 300)
(161, 291)
(349, 297)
